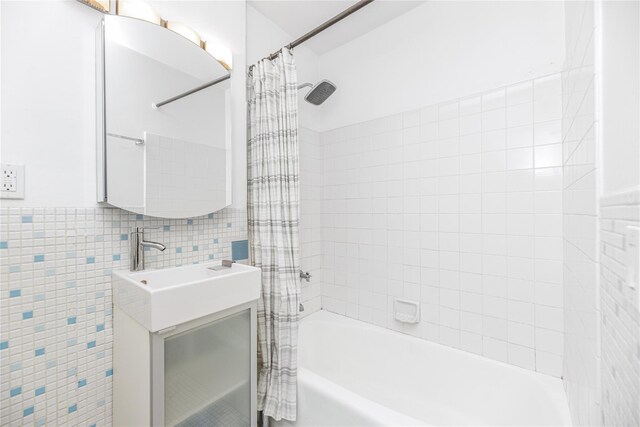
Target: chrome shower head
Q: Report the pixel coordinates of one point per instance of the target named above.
(319, 92)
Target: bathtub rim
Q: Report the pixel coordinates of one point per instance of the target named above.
(552, 386)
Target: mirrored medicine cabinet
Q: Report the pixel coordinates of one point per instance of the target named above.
(163, 122)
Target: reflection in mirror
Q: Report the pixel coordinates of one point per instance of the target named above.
(165, 121)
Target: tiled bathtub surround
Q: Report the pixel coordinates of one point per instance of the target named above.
(457, 206)
(620, 312)
(581, 311)
(56, 321)
(310, 218)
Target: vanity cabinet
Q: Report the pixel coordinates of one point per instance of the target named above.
(184, 345)
(199, 373)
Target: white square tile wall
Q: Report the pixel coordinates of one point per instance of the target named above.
(310, 219)
(457, 206)
(620, 312)
(581, 302)
(56, 309)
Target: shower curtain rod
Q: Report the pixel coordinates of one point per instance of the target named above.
(320, 28)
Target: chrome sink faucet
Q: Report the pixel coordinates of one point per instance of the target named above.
(136, 255)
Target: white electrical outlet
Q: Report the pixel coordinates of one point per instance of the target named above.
(12, 181)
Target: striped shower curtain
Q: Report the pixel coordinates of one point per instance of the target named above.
(273, 212)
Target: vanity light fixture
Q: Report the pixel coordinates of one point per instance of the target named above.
(138, 9)
(185, 31)
(220, 52)
(101, 5)
(141, 10)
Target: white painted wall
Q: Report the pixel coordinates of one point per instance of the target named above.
(620, 95)
(441, 51)
(265, 37)
(48, 93)
(48, 111)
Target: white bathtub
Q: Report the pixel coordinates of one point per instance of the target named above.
(355, 374)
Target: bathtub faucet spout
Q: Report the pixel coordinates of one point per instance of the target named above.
(305, 275)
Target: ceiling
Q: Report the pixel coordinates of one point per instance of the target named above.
(301, 16)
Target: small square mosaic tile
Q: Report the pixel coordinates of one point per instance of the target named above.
(56, 305)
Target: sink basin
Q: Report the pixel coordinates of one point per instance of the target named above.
(159, 299)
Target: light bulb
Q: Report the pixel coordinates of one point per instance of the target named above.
(185, 31)
(138, 9)
(220, 52)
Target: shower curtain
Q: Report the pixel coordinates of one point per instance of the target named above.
(273, 213)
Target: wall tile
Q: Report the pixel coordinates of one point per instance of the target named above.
(580, 314)
(55, 290)
(463, 200)
(620, 310)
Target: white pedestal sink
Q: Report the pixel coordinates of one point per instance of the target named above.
(185, 346)
(158, 299)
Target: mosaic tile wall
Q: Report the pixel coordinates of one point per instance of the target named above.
(620, 313)
(55, 300)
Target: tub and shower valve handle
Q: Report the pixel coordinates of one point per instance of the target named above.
(305, 275)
